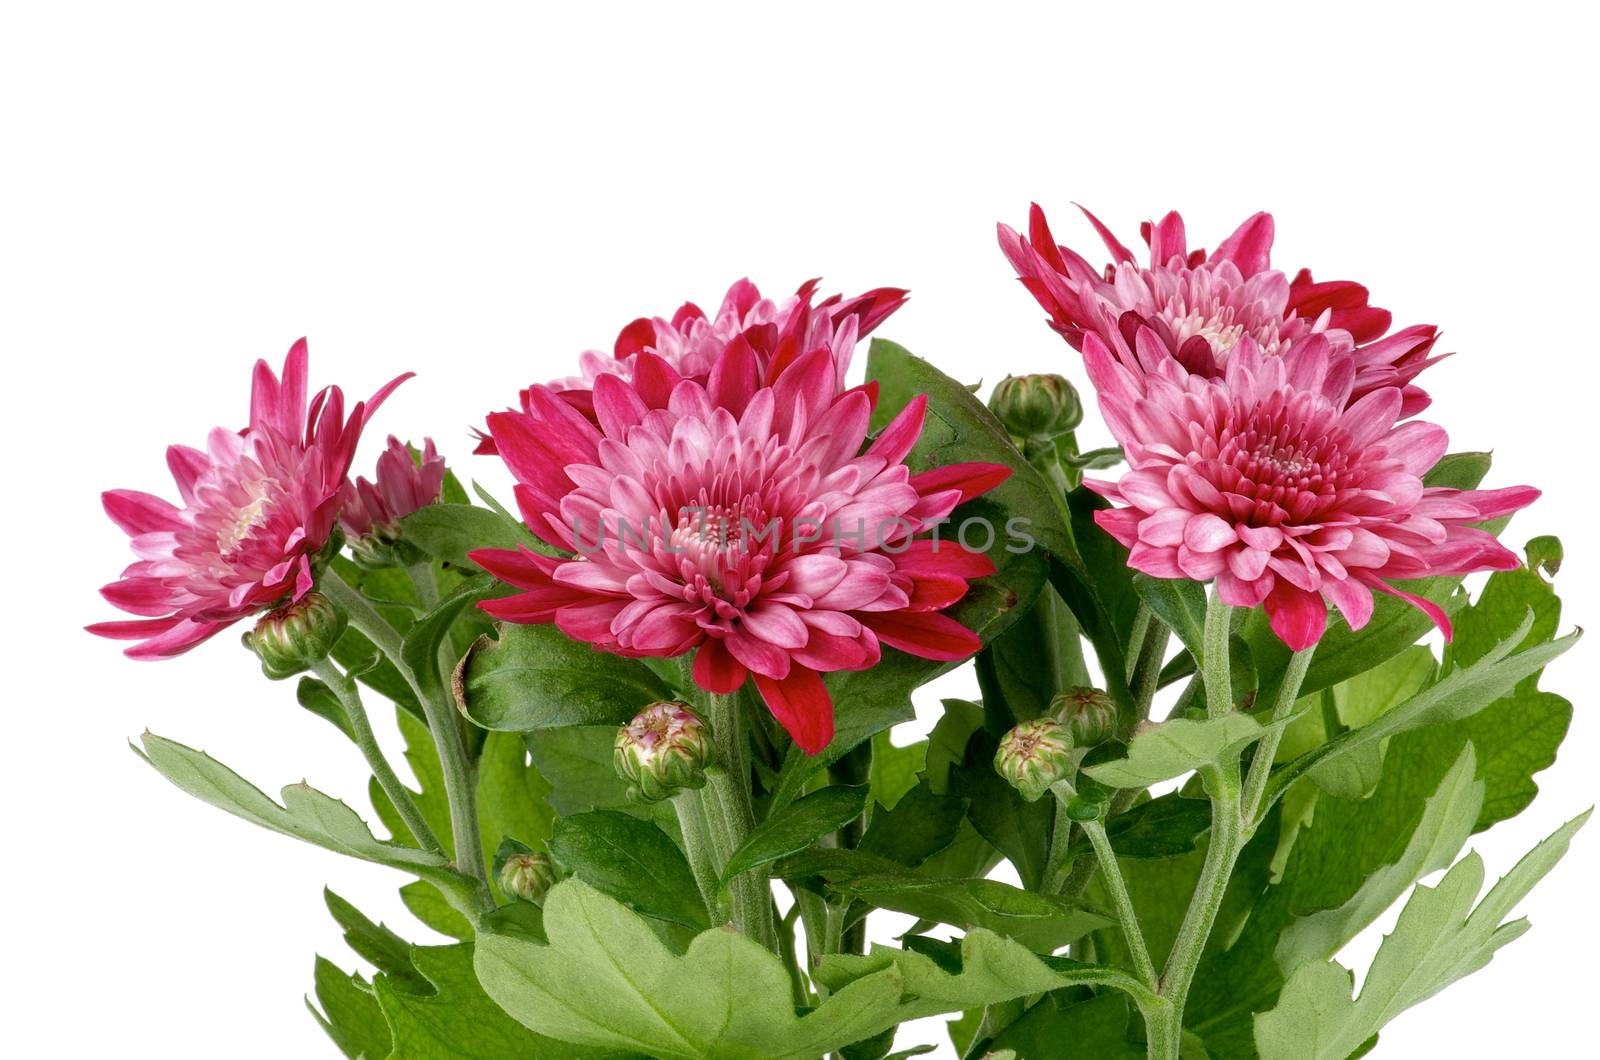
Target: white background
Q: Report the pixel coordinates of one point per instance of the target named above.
(478, 193)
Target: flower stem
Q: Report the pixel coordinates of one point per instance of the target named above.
(700, 850)
(442, 724)
(1255, 784)
(1222, 851)
(344, 687)
(1118, 889)
(729, 787)
(1216, 672)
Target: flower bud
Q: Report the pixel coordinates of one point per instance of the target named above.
(527, 875)
(1036, 406)
(1035, 755)
(665, 748)
(1088, 713)
(290, 639)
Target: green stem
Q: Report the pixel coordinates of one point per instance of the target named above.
(1255, 784)
(1218, 678)
(1056, 866)
(786, 950)
(344, 687)
(1222, 851)
(442, 724)
(1221, 854)
(700, 851)
(1118, 890)
(729, 787)
(1147, 673)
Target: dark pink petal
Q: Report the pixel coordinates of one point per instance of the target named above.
(1296, 616)
(716, 670)
(971, 479)
(802, 706)
(140, 513)
(925, 635)
(1250, 246)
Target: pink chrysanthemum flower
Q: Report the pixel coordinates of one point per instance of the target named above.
(258, 505)
(1275, 484)
(1201, 306)
(740, 519)
(654, 353)
(403, 485)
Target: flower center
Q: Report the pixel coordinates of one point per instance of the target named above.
(245, 520)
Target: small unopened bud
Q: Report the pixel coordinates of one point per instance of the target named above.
(527, 875)
(1088, 713)
(1035, 755)
(291, 639)
(1036, 406)
(382, 547)
(665, 748)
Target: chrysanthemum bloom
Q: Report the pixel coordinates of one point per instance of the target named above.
(741, 520)
(404, 485)
(1275, 484)
(1200, 306)
(654, 353)
(258, 505)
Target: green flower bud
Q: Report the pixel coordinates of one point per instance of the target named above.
(1035, 755)
(665, 748)
(1036, 406)
(527, 875)
(381, 548)
(1088, 713)
(290, 639)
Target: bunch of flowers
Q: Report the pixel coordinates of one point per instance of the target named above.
(652, 701)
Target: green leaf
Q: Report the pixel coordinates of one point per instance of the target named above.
(856, 723)
(424, 902)
(1181, 604)
(419, 649)
(1178, 746)
(797, 826)
(1102, 594)
(606, 982)
(1040, 922)
(1336, 871)
(984, 969)
(631, 860)
(449, 531)
(1095, 1029)
(450, 1016)
(947, 743)
(1447, 818)
(535, 677)
(894, 769)
(1460, 694)
(349, 1012)
(1028, 665)
(578, 763)
(1158, 828)
(1440, 938)
(919, 826)
(381, 947)
(319, 699)
(1017, 828)
(305, 813)
(959, 428)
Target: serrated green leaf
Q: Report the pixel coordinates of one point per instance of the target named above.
(894, 769)
(726, 998)
(983, 969)
(1040, 922)
(1458, 695)
(1440, 938)
(449, 531)
(1178, 746)
(534, 677)
(381, 947)
(631, 860)
(305, 813)
(919, 826)
(424, 902)
(1093, 1029)
(797, 826)
(349, 1012)
(1017, 828)
(1180, 603)
(450, 1016)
